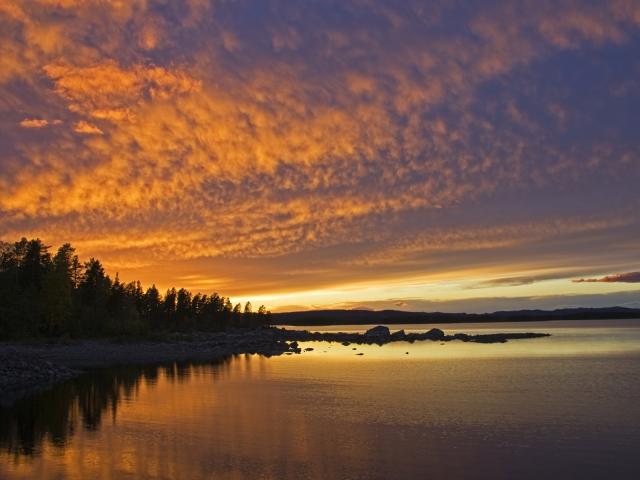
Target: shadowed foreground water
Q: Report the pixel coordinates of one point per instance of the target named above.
(567, 406)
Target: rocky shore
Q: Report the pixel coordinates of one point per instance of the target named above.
(25, 368)
(22, 373)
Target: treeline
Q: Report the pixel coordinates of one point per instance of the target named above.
(56, 295)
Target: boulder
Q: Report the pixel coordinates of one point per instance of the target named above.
(434, 334)
(378, 332)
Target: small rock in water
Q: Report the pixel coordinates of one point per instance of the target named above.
(308, 349)
(346, 344)
(360, 353)
(354, 348)
(406, 353)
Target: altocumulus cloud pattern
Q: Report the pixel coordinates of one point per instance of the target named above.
(326, 141)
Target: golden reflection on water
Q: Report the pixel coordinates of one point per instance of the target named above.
(525, 408)
(591, 338)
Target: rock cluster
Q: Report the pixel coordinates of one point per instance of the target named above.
(381, 335)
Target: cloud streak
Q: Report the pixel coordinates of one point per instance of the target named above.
(629, 277)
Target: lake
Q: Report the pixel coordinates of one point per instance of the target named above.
(565, 406)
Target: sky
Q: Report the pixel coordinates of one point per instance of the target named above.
(417, 155)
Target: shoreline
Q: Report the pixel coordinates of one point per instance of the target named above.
(27, 368)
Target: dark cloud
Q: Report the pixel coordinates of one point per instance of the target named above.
(630, 277)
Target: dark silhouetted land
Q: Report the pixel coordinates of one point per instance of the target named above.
(394, 317)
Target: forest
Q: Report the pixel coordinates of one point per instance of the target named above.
(56, 295)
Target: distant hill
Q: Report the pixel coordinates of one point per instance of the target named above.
(356, 317)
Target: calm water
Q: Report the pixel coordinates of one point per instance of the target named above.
(567, 406)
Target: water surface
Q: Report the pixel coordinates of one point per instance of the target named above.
(566, 406)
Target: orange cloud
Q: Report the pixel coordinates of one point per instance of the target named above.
(34, 123)
(107, 87)
(86, 127)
